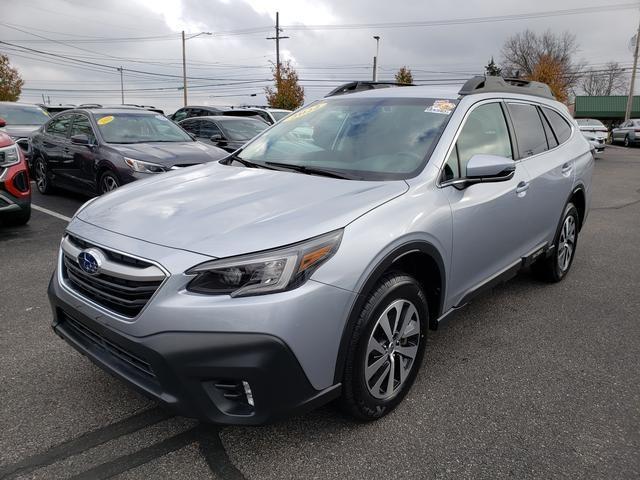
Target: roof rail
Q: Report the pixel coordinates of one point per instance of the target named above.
(90, 105)
(490, 84)
(362, 85)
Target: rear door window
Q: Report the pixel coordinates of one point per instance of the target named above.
(191, 126)
(560, 126)
(209, 129)
(529, 130)
(551, 137)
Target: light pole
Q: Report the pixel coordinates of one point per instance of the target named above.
(121, 84)
(375, 59)
(184, 61)
(627, 113)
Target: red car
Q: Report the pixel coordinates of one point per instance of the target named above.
(15, 188)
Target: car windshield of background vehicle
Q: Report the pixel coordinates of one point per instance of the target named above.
(242, 129)
(279, 115)
(23, 115)
(139, 128)
(361, 138)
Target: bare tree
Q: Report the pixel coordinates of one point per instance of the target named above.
(524, 51)
(609, 80)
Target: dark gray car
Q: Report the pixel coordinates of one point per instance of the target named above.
(229, 133)
(94, 150)
(22, 119)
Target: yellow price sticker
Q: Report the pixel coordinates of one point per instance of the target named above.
(305, 111)
(105, 120)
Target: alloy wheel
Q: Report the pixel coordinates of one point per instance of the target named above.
(392, 349)
(109, 183)
(566, 243)
(41, 176)
(626, 141)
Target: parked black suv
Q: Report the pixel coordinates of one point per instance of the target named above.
(94, 150)
(195, 111)
(228, 133)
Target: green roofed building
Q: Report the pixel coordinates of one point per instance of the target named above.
(609, 110)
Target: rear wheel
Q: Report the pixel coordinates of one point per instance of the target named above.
(43, 184)
(386, 348)
(108, 181)
(556, 266)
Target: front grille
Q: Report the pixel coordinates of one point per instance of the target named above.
(121, 295)
(82, 332)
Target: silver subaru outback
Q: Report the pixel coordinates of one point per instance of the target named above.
(309, 265)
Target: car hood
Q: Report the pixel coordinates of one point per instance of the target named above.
(20, 131)
(221, 210)
(169, 154)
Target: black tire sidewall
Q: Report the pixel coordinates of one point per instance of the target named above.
(391, 288)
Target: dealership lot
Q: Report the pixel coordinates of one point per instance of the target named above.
(532, 381)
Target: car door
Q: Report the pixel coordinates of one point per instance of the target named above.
(54, 141)
(489, 219)
(541, 133)
(81, 172)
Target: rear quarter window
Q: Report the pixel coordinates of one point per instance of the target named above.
(560, 126)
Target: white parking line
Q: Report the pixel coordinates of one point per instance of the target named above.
(50, 212)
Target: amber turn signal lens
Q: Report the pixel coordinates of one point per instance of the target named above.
(313, 257)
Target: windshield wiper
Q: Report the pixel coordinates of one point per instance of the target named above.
(310, 170)
(246, 163)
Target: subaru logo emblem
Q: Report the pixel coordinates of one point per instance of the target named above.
(90, 261)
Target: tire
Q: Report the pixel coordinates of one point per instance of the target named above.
(41, 176)
(627, 143)
(554, 268)
(366, 392)
(18, 218)
(107, 182)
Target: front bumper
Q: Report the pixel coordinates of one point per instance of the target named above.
(203, 375)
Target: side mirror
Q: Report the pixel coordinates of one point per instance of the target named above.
(217, 138)
(490, 168)
(3, 122)
(484, 169)
(80, 139)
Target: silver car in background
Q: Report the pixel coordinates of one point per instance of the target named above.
(628, 133)
(595, 132)
(310, 266)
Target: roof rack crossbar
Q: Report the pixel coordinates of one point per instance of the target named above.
(490, 84)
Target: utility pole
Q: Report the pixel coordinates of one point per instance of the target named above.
(184, 70)
(627, 114)
(121, 84)
(375, 59)
(277, 38)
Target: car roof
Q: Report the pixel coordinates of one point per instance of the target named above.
(222, 118)
(109, 111)
(21, 104)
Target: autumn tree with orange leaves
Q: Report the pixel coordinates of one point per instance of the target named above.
(288, 93)
(10, 81)
(550, 71)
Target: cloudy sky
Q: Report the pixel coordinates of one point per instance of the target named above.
(331, 41)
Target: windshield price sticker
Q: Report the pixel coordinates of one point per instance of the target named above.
(105, 120)
(444, 107)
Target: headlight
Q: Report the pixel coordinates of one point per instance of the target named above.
(264, 272)
(9, 156)
(144, 167)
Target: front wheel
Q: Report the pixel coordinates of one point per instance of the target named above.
(42, 180)
(107, 182)
(554, 267)
(386, 349)
(627, 143)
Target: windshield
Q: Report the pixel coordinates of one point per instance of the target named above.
(278, 115)
(139, 128)
(361, 138)
(242, 129)
(588, 122)
(22, 114)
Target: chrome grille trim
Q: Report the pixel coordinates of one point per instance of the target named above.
(119, 288)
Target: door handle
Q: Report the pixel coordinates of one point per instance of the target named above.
(522, 188)
(566, 168)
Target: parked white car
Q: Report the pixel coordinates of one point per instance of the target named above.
(595, 132)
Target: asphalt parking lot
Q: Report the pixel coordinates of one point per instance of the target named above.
(531, 381)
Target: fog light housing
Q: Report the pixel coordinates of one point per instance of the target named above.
(232, 397)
